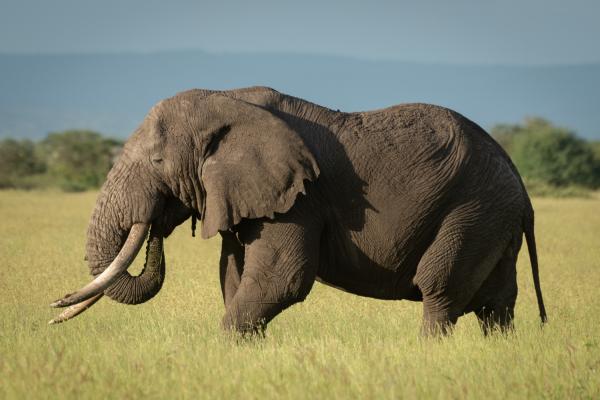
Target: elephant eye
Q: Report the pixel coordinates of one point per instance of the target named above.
(157, 160)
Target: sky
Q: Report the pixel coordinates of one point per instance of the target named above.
(509, 32)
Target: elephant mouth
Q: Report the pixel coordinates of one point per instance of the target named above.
(79, 301)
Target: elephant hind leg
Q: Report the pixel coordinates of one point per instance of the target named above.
(465, 251)
(496, 319)
(494, 304)
(437, 322)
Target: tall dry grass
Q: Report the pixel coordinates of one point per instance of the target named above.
(334, 345)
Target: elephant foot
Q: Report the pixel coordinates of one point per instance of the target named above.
(243, 326)
(437, 323)
(497, 319)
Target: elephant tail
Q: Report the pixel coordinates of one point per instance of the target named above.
(530, 238)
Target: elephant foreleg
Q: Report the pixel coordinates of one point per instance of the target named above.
(279, 270)
(231, 265)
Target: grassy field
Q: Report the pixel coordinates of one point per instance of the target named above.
(334, 345)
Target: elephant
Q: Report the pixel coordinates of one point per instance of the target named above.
(412, 202)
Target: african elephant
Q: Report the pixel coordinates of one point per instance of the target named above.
(410, 202)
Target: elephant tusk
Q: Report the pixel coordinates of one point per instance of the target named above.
(75, 310)
(122, 261)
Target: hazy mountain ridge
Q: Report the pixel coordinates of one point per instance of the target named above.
(111, 93)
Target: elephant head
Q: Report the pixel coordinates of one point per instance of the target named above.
(198, 154)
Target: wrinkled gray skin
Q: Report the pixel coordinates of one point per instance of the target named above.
(410, 202)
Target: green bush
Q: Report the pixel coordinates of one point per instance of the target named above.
(550, 157)
(505, 134)
(595, 147)
(78, 160)
(18, 160)
(73, 160)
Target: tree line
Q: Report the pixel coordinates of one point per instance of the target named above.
(551, 159)
(73, 160)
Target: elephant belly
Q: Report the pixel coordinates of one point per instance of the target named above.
(392, 288)
(380, 271)
(376, 254)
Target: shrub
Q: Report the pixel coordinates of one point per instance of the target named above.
(78, 160)
(18, 159)
(73, 160)
(550, 155)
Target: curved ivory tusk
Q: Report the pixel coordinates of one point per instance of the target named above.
(75, 310)
(122, 261)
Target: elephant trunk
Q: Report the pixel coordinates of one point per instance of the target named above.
(118, 210)
(124, 214)
(116, 282)
(128, 289)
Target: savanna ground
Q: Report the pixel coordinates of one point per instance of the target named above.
(334, 345)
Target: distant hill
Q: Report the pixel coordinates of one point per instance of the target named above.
(111, 93)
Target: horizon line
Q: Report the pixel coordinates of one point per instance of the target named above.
(298, 54)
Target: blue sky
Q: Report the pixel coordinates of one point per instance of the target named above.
(458, 31)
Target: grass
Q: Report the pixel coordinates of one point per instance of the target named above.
(334, 345)
(539, 188)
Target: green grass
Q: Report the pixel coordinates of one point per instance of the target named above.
(334, 345)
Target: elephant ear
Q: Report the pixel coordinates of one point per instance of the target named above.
(255, 165)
